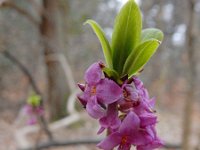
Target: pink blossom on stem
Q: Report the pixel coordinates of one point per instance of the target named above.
(33, 112)
(125, 110)
(98, 92)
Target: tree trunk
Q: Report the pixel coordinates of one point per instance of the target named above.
(191, 77)
(56, 89)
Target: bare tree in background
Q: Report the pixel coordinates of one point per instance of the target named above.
(188, 69)
(47, 25)
(191, 77)
(170, 61)
(49, 33)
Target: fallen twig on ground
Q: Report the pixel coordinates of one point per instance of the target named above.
(82, 142)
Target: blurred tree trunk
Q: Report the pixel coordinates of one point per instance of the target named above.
(49, 33)
(190, 39)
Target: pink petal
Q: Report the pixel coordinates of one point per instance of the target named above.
(131, 91)
(142, 108)
(39, 111)
(94, 109)
(108, 91)
(145, 93)
(110, 142)
(32, 121)
(81, 86)
(152, 102)
(28, 109)
(130, 124)
(148, 119)
(101, 130)
(111, 120)
(93, 74)
(141, 137)
(82, 98)
(153, 145)
(138, 83)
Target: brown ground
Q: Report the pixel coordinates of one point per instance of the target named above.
(169, 129)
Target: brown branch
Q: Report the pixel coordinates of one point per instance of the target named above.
(15, 61)
(25, 13)
(36, 6)
(191, 77)
(23, 69)
(60, 58)
(82, 142)
(198, 145)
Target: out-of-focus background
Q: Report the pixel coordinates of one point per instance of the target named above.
(45, 48)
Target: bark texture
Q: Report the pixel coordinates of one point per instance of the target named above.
(187, 123)
(49, 32)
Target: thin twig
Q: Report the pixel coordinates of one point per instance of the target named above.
(64, 143)
(35, 4)
(44, 126)
(82, 142)
(21, 134)
(15, 61)
(25, 13)
(38, 137)
(198, 144)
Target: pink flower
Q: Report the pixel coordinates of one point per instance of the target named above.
(125, 111)
(111, 121)
(98, 92)
(33, 112)
(155, 143)
(129, 133)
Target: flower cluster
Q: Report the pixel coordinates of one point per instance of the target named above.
(124, 110)
(33, 112)
(33, 109)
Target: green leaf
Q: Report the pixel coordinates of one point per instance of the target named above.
(151, 33)
(34, 100)
(126, 34)
(103, 40)
(140, 56)
(110, 73)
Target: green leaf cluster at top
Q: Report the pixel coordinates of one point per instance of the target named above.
(131, 47)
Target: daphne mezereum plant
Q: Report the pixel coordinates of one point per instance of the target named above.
(33, 109)
(113, 93)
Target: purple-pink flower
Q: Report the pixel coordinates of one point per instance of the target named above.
(155, 143)
(129, 133)
(125, 110)
(111, 121)
(98, 92)
(33, 112)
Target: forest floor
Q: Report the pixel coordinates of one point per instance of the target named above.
(169, 129)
